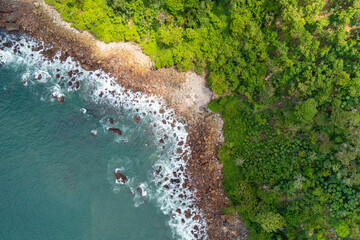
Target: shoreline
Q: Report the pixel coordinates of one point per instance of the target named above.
(185, 92)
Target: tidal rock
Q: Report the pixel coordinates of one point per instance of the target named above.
(116, 130)
(140, 191)
(175, 180)
(111, 120)
(158, 170)
(120, 178)
(61, 99)
(12, 27)
(38, 77)
(137, 119)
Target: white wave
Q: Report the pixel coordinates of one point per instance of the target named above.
(169, 177)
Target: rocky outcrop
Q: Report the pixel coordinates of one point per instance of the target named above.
(120, 178)
(116, 130)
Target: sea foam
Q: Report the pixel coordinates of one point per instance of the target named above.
(168, 183)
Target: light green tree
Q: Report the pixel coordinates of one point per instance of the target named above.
(270, 221)
(306, 111)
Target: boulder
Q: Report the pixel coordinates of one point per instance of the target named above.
(120, 178)
(61, 99)
(175, 180)
(137, 119)
(116, 130)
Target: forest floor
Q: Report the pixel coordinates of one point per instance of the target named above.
(186, 92)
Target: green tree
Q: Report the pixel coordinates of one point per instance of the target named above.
(270, 221)
(306, 111)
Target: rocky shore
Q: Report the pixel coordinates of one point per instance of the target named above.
(185, 92)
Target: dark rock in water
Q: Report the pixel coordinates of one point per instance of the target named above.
(175, 180)
(70, 73)
(140, 191)
(111, 121)
(8, 44)
(63, 57)
(187, 214)
(161, 141)
(116, 130)
(120, 177)
(178, 211)
(70, 83)
(179, 150)
(57, 75)
(166, 186)
(77, 85)
(158, 170)
(38, 77)
(101, 94)
(61, 99)
(137, 119)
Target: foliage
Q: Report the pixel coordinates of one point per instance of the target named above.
(270, 221)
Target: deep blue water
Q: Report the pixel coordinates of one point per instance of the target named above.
(57, 179)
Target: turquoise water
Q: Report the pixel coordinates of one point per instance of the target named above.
(58, 160)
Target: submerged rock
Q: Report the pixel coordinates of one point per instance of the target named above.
(140, 191)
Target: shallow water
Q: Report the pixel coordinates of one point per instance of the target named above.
(58, 160)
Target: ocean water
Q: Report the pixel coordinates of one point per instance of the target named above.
(58, 160)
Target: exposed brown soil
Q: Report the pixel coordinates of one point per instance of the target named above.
(185, 92)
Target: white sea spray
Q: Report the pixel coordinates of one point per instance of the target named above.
(169, 178)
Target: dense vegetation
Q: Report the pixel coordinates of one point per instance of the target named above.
(291, 75)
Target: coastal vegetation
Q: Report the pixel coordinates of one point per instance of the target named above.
(289, 74)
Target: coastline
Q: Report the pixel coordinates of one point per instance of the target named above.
(183, 91)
